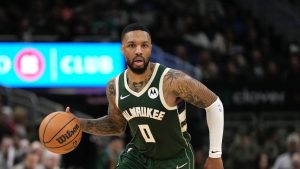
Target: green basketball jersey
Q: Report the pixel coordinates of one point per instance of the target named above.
(158, 130)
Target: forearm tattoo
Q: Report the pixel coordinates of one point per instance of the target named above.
(189, 89)
(103, 126)
(111, 124)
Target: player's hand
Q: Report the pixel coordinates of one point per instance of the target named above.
(213, 163)
(68, 111)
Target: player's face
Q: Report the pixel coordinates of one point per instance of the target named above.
(136, 47)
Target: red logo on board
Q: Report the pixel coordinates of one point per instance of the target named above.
(29, 64)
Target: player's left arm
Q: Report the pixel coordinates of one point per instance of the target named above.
(193, 91)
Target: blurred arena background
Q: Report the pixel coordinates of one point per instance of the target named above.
(248, 52)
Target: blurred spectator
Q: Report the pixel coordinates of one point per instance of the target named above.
(7, 125)
(38, 148)
(296, 160)
(199, 39)
(294, 68)
(21, 121)
(273, 73)
(270, 143)
(208, 66)
(263, 161)
(31, 161)
(110, 152)
(294, 47)
(181, 52)
(257, 65)
(51, 160)
(243, 152)
(284, 161)
(114, 149)
(22, 147)
(233, 74)
(7, 153)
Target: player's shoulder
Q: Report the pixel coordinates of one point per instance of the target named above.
(111, 86)
(172, 71)
(113, 80)
(175, 78)
(174, 74)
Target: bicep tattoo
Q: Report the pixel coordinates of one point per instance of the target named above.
(111, 88)
(189, 89)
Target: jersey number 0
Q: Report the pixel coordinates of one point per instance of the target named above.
(146, 133)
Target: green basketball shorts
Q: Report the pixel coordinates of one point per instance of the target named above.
(131, 158)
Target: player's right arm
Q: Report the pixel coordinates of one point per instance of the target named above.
(113, 123)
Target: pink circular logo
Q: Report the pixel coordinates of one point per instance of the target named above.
(29, 64)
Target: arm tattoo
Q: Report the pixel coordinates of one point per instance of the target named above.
(112, 124)
(103, 126)
(189, 89)
(111, 88)
(173, 75)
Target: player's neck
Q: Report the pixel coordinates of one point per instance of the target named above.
(136, 78)
(137, 82)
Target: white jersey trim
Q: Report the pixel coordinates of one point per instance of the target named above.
(182, 116)
(161, 92)
(138, 94)
(117, 90)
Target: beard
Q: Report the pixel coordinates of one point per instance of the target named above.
(140, 69)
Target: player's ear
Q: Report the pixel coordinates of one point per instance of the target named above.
(122, 48)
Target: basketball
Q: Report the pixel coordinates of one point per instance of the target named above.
(60, 132)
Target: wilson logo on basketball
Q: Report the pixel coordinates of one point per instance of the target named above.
(63, 138)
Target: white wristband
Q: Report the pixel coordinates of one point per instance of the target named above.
(215, 122)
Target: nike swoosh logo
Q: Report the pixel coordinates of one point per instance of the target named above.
(129, 150)
(215, 151)
(123, 97)
(178, 167)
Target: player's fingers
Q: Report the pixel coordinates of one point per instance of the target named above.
(68, 110)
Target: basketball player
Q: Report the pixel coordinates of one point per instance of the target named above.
(151, 99)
